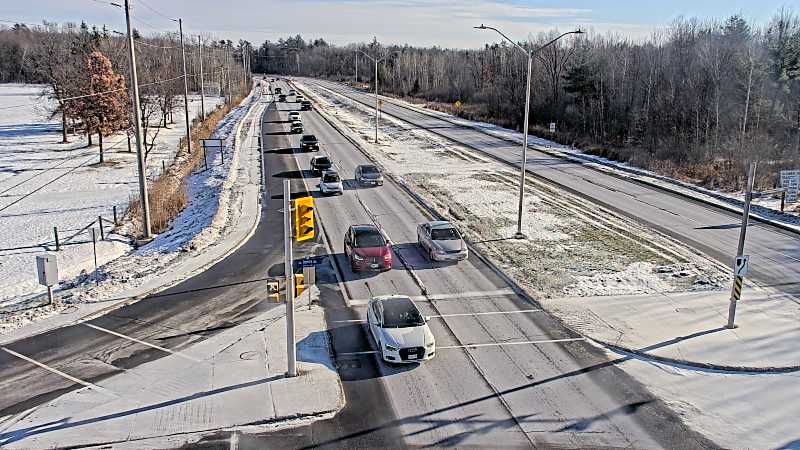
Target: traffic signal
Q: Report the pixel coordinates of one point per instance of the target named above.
(299, 284)
(304, 218)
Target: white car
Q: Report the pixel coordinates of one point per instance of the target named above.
(331, 183)
(400, 330)
(294, 115)
(442, 241)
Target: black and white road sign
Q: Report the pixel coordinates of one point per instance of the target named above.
(740, 265)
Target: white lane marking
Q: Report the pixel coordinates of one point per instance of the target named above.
(234, 440)
(500, 344)
(489, 313)
(147, 344)
(489, 344)
(440, 316)
(367, 352)
(59, 373)
(450, 296)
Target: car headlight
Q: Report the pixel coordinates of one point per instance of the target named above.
(391, 348)
(358, 257)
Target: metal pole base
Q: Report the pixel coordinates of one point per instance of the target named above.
(520, 235)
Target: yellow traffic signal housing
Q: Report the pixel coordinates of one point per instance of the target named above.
(304, 218)
(299, 284)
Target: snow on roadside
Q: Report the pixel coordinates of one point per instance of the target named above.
(50, 184)
(574, 247)
(212, 207)
(766, 208)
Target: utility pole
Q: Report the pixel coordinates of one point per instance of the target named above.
(185, 92)
(291, 355)
(228, 74)
(376, 101)
(737, 280)
(356, 68)
(202, 79)
(137, 118)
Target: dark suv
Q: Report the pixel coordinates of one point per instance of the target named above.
(305, 105)
(320, 163)
(309, 142)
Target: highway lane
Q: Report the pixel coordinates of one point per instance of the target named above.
(775, 253)
(515, 393)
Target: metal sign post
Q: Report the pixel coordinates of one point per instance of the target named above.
(211, 144)
(291, 355)
(94, 249)
(740, 265)
(309, 277)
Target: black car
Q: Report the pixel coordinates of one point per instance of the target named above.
(282, 98)
(320, 163)
(305, 105)
(277, 90)
(309, 142)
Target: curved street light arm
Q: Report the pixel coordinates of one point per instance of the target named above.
(484, 27)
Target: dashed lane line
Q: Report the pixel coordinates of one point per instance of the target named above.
(441, 316)
(59, 373)
(147, 344)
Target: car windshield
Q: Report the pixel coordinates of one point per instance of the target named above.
(401, 313)
(322, 160)
(444, 234)
(309, 137)
(369, 170)
(330, 178)
(370, 238)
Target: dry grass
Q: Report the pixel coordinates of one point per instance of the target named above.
(168, 194)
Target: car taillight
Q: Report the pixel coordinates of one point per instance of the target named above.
(388, 255)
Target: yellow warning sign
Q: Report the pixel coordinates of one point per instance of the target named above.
(457, 104)
(737, 288)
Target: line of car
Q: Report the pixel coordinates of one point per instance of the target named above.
(395, 322)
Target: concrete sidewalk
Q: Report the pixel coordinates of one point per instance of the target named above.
(233, 379)
(690, 328)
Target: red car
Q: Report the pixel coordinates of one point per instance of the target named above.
(367, 248)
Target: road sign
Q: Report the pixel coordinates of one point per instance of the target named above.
(552, 127)
(790, 180)
(740, 266)
(274, 288)
(211, 143)
(457, 104)
(737, 288)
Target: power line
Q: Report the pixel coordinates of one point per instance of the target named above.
(154, 10)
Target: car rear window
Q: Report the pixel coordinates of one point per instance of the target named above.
(401, 313)
(309, 137)
(368, 238)
(369, 169)
(444, 234)
(322, 160)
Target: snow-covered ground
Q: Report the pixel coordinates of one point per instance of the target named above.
(46, 184)
(574, 248)
(212, 200)
(767, 207)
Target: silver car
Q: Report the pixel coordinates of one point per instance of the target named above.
(330, 183)
(442, 241)
(368, 174)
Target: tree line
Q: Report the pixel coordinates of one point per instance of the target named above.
(696, 100)
(85, 73)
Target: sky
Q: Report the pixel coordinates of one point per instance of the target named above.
(446, 23)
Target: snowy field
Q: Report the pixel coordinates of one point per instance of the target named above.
(574, 249)
(46, 184)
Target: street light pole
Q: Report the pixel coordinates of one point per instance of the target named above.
(529, 54)
(185, 92)
(202, 79)
(376, 61)
(137, 118)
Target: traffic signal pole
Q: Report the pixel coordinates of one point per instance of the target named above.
(291, 355)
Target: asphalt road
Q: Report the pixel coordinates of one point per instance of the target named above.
(497, 380)
(774, 253)
(515, 389)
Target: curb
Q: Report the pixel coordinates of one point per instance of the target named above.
(434, 212)
(694, 364)
(608, 169)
